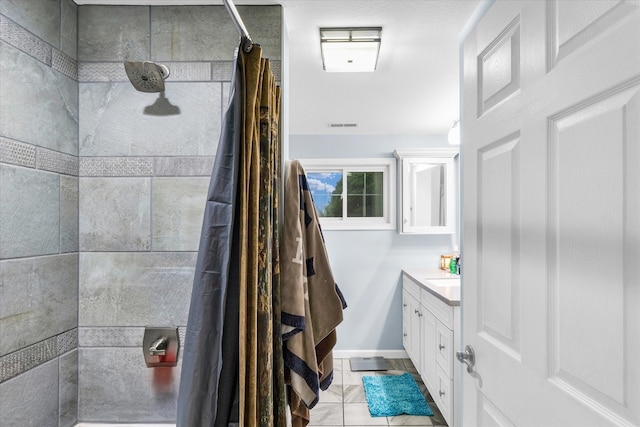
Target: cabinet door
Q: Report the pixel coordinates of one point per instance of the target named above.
(415, 332)
(428, 368)
(444, 348)
(406, 322)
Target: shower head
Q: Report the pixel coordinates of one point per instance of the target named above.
(147, 76)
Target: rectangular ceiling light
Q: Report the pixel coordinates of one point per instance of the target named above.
(350, 49)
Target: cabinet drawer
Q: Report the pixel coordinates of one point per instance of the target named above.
(444, 348)
(443, 395)
(410, 286)
(442, 310)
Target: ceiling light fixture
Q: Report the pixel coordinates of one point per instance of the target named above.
(350, 49)
(454, 133)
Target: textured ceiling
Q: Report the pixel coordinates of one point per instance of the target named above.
(414, 90)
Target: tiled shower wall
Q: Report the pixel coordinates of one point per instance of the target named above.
(142, 170)
(38, 213)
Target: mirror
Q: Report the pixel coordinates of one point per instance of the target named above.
(427, 191)
(428, 198)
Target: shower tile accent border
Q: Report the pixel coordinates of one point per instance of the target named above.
(197, 71)
(183, 166)
(110, 336)
(130, 336)
(101, 72)
(66, 65)
(34, 157)
(116, 166)
(20, 361)
(169, 166)
(97, 72)
(32, 45)
(189, 71)
(17, 153)
(54, 161)
(24, 40)
(67, 341)
(222, 71)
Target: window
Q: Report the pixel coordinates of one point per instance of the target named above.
(353, 193)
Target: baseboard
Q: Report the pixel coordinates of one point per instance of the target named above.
(387, 354)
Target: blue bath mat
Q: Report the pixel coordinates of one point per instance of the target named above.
(390, 395)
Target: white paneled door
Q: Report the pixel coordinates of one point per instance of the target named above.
(551, 208)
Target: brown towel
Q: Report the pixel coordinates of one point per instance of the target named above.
(311, 301)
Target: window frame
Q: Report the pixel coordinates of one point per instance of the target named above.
(385, 165)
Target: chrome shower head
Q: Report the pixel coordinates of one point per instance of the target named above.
(147, 76)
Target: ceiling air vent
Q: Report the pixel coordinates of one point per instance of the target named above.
(343, 125)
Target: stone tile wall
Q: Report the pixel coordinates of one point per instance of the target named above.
(38, 213)
(101, 197)
(143, 180)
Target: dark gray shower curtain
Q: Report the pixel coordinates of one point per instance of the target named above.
(232, 368)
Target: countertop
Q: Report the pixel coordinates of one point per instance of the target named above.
(427, 279)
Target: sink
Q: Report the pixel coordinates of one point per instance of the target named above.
(443, 283)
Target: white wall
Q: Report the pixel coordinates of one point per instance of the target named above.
(367, 264)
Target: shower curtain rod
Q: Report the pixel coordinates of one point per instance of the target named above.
(237, 20)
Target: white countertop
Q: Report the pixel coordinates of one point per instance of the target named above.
(436, 281)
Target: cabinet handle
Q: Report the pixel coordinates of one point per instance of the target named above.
(441, 347)
(416, 311)
(441, 393)
(404, 305)
(404, 335)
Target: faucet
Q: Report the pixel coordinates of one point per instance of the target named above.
(158, 347)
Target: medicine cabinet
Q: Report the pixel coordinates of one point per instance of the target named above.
(427, 191)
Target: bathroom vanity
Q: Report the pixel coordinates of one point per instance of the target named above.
(431, 330)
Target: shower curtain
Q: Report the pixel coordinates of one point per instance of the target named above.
(232, 368)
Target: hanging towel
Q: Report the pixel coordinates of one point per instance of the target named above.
(312, 304)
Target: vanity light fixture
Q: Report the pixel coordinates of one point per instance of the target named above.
(454, 133)
(350, 49)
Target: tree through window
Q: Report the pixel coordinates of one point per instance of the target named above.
(354, 194)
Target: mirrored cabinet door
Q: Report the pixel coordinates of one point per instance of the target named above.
(427, 191)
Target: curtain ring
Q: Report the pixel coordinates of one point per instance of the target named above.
(247, 45)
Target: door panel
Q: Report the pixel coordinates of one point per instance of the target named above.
(573, 25)
(499, 243)
(499, 68)
(551, 214)
(490, 415)
(590, 191)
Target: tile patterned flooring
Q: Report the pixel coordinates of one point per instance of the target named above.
(344, 403)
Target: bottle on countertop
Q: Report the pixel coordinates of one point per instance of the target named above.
(453, 265)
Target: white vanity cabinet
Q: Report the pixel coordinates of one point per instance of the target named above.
(431, 322)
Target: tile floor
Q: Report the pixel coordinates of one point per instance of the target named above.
(344, 403)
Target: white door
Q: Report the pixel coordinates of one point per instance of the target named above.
(551, 208)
